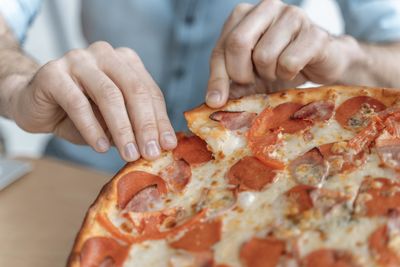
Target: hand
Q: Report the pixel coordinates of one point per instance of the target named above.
(273, 45)
(97, 96)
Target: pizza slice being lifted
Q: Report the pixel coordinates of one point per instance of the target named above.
(297, 178)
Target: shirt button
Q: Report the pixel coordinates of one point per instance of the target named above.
(179, 73)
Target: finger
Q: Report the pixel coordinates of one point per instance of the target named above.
(78, 109)
(243, 38)
(67, 130)
(307, 47)
(167, 137)
(274, 41)
(138, 100)
(110, 101)
(219, 82)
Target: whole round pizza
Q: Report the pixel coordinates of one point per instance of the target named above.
(304, 177)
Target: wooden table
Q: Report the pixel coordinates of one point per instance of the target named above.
(41, 213)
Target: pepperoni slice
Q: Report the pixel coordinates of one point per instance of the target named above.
(262, 252)
(233, 120)
(299, 197)
(100, 251)
(199, 237)
(263, 134)
(329, 258)
(305, 197)
(355, 113)
(250, 174)
(144, 200)
(309, 168)
(177, 175)
(365, 137)
(263, 146)
(378, 197)
(379, 245)
(192, 149)
(315, 111)
(132, 183)
(338, 157)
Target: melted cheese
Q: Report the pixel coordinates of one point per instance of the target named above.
(258, 213)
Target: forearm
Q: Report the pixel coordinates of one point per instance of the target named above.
(16, 68)
(374, 65)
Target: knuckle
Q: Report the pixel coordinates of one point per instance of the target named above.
(110, 92)
(129, 53)
(294, 12)
(289, 64)
(241, 9)
(295, 15)
(140, 90)
(101, 46)
(237, 42)
(262, 59)
(75, 102)
(50, 69)
(158, 96)
(124, 130)
(148, 126)
(75, 54)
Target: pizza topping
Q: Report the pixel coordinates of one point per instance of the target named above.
(132, 184)
(264, 147)
(388, 143)
(192, 149)
(265, 135)
(103, 251)
(309, 168)
(199, 237)
(378, 197)
(145, 200)
(356, 112)
(262, 252)
(329, 258)
(233, 120)
(384, 243)
(340, 158)
(177, 175)
(299, 197)
(304, 197)
(282, 117)
(315, 111)
(250, 174)
(365, 137)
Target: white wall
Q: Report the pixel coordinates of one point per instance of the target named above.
(57, 29)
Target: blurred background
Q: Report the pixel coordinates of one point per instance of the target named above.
(57, 29)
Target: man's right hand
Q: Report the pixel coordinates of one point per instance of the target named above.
(97, 96)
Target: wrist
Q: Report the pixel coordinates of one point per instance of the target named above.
(10, 88)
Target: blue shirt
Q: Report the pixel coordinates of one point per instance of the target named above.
(174, 38)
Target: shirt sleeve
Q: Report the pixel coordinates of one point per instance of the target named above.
(19, 14)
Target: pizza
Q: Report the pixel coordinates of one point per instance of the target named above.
(304, 177)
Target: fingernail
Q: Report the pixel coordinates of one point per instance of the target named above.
(131, 152)
(102, 144)
(169, 138)
(152, 149)
(214, 96)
